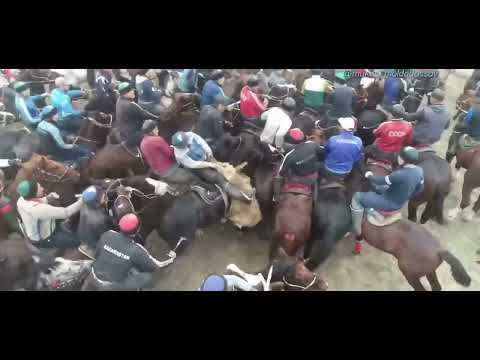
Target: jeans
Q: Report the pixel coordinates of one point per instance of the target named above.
(71, 123)
(60, 239)
(365, 200)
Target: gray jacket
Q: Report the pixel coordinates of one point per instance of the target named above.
(431, 121)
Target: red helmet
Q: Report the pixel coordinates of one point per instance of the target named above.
(296, 134)
(129, 224)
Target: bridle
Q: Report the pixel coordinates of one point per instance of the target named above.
(57, 178)
(300, 287)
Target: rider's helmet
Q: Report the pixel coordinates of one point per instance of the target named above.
(289, 104)
(347, 123)
(296, 135)
(180, 140)
(252, 81)
(20, 86)
(214, 282)
(124, 88)
(409, 155)
(48, 112)
(217, 75)
(341, 76)
(438, 94)
(92, 196)
(27, 189)
(148, 126)
(398, 111)
(129, 224)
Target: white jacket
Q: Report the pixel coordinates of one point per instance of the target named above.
(276, 127)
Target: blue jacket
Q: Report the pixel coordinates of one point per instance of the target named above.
(392, 90)
(188, 80)
(343, 151)
(148, 93)
(23, 113)
(32, 107)
(210, 91)
(48, 128)
(63, 102)
(472, 122)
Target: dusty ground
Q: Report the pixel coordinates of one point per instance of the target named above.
(373, 270)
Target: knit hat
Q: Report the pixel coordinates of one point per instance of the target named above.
(125, 88)
(20, 86)
(92, 196)
(341, 75)
(27, 189)
(214, 282)
(48, 111)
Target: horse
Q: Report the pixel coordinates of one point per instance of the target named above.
(94, 132)
(52, 175)
(418, 252)
(368, 121)
(438, 179)
(7, 97)
(177, 218)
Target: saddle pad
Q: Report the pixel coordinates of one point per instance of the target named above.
(380, 163)
(377, 219)
(331, 185)
(295, 188)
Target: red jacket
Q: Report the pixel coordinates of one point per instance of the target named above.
(157, 153)
(392, 136)
(250, 104)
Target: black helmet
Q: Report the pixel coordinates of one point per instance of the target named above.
(148, 126)
(252, 81)
(289, 104)
(398, 111)
(217, 74)
(409, 154)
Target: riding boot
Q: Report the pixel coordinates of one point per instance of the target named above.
(357, 219)
(277, 187)
(452, 146)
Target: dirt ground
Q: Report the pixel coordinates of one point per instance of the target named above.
(372, 270)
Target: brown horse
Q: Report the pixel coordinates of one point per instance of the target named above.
(95, 130)
(52, 175)
(418, 253)
(470, 160)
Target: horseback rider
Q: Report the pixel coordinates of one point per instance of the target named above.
(343, 97)
(211, 122)
(120, 263)
(104, 83)
(57, 148)
(192, 152)
(430, 120)
(403, 184)
(70, 118)
(129, 115)
(277, 123)
(343, 151)
(213, 88)
(470, 126)
(300, 165)
(22, 99)
(94, 220)
(39, 217)
(391, 136)
(314, 90)
(394, 90)
(251, 103)
(148, 94)
(188, 81)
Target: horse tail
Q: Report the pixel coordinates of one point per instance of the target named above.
(458, 271)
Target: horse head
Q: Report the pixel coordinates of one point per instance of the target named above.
(52, 171)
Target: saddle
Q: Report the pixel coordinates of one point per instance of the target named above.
(383, 163)
(296, 188)
(466, 142)
(383, 218)
(331, 184)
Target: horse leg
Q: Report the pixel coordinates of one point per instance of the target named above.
(415, 283)
(476, 207)
(468, 186)
(427, 213)
(433, 280)
(412, 211)
(438, 207)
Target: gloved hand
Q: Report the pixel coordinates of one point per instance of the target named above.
(14, 162)
(368, 174)
(172, 254)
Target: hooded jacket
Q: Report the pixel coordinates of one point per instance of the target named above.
(431, 121)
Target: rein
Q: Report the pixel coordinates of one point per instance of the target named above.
(58, 178)
(98, 124)
(81, 138)
(303, 288)
(138, 155)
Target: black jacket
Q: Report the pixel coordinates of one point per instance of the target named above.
(210, 124)
(305, 159)
(117, 254)
(130, 116)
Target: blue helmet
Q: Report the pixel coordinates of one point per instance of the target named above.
(214, 282)
(48, 111)
(180, 140)
(91, 196)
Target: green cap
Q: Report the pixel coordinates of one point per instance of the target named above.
(341, 75)
(124, 88)
(27, 188)
(20, 86)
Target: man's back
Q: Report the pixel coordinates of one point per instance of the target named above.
(392, 89)
(210, 91)
(430, 126)
(343, 98)
(157, 153)
(210, 123)
(403, 184)
(392, 136)
(343, 151)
